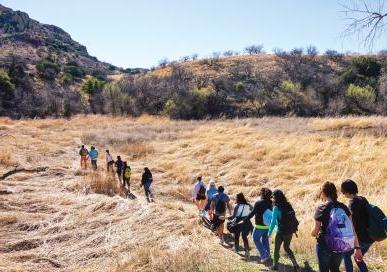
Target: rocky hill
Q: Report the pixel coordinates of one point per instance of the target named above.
(41, 65)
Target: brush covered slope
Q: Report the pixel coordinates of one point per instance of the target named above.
(41, 66)
(66, 219)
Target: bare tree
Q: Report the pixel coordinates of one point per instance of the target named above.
(366, 18)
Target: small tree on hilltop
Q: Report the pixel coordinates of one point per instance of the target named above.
(254, 49)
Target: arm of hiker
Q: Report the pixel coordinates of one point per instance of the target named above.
(229, 207)
(316, 228)
(358, 254)
(273, 221)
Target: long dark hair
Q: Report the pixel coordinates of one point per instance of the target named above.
(240, 199)
(280, 200)
(265, 193)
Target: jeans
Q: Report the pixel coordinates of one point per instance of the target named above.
(94, 164)
(328, 261)
(261, 240)
(147, 190)
(244, 233)
(364, 247)
(285, 239)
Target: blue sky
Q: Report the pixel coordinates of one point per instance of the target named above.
(139, 33)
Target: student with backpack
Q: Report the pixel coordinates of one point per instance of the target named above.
(109, 162)
(364, 217)
(262, 212)
(334, 231)
(84, 153)
(219, 203)
(146, 181)
(211, 191)
(238, 225)
(93, 154)
(284, 218)
(199, 194)
(119, 164)
(127, 172)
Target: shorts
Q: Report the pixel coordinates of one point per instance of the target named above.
(110, 163)
(84, 158)
(217, 221)
(200, 197)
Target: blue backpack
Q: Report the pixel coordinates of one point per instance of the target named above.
(339, 236)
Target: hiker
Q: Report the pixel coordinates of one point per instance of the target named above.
(199, 194)
(334, 231)
(127, 172)
(119, 167)
(358, 207)
(109, 162)
(218, 212)
(84, 153)
(262, 212)
(240, 226)
(284, 218)
(93, 154)
(210, 192)
(146, 181)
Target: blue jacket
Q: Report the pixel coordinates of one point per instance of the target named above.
(93, 154)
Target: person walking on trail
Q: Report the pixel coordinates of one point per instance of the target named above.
(146, 181)
(262, 212)
(359, 208)
(241, 226)
(119, 164)
(334, 231)
(284, 218)
(199, 194)
(127, 172)
(211, 191)
(84, 153)
(109, 162)
(93, 154)
(219, 204)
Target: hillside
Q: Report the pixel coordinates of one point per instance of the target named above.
(43, 65)
(66, 219)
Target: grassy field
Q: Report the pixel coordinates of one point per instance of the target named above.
(65, 219)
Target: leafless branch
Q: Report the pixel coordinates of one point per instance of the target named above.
(366, 19)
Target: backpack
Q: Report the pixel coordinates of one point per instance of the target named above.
(377, 223)
(128, 172)
(288, 224)
(202, 190)
(339, 236)
(220, 206)
(83, 152)
(266, 216)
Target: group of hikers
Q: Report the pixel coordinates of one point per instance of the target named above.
(341, 231)
(118, 167)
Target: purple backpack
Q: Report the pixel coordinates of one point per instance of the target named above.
(339, 235)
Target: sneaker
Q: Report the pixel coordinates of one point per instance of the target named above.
(274, 268)
(264, 260)
(247, 254)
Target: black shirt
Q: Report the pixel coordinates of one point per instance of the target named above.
(358, 207)
(259, 208)
(323, 214)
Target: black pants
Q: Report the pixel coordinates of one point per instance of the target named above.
(94, 164)
(286, 240)
(245, 234)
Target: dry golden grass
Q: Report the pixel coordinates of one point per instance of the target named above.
(59, 216)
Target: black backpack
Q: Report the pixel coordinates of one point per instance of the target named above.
(202, 190)
(220, 206)
(377, 223)
(288, 223)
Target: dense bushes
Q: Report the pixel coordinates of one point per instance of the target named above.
(48, 68)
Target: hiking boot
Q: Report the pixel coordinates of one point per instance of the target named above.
(296, 268)
(265, 260)
(274, 267)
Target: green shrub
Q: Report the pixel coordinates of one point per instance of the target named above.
(92, 85)
(74, 70)
(6, 85)
(48, 69)
(361, 94)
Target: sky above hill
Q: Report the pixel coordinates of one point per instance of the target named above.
(139, 33)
